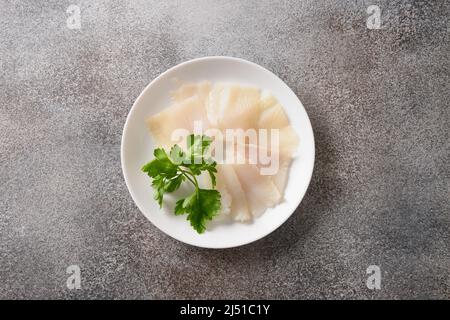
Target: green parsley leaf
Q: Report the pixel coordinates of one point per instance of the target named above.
(169, 171)
(174, 183)
(211, 171)
(161, 165)
(179, 209)
(201, 206)
(177, 155)
(206, 206)
(158, 184)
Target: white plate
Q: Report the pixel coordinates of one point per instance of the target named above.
(137, 148)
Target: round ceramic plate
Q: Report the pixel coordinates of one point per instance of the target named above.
(137, 149)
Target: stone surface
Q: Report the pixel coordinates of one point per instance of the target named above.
(379, 105)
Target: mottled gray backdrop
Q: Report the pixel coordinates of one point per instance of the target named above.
(379, 105)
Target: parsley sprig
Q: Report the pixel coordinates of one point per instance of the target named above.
(169, 170)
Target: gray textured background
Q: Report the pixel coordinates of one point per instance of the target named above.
(379, 105)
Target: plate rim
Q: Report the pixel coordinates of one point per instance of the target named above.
(180, 65)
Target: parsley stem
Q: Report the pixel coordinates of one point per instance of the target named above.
(186, 174)
(196, 182)
(196, 187)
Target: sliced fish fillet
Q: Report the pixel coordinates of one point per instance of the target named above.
(288, 142)
(280, 178)
(267, 100)
(188, 90)
(239, 207)
(273, 117)
(273, 163)
(260, 191)
(231, 106)
(178, 116)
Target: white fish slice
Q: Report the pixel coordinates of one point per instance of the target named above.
(288, 145)
(267, 100)
(260, 191)
(288, 142)
(232, 106)
(273, 117)
(273, 161)
(239, 207)
(178, 116)
(189, 90)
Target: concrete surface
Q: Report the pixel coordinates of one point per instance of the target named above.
(378, 101)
